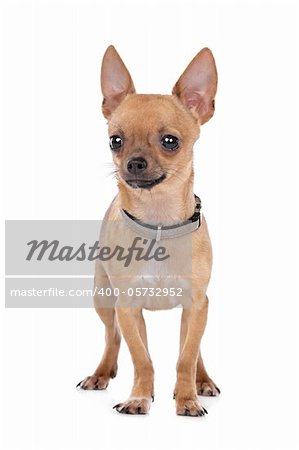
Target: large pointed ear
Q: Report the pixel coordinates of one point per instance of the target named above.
(116, 82)
(197, 87)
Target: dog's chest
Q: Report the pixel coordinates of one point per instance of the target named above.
(142, 272)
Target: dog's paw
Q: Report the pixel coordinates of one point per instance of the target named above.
(94, 383)
(190, 408)
(207, 388)
(135, 405)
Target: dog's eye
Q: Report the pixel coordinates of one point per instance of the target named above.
(170, 142)
(115, 142)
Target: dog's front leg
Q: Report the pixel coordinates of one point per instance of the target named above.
(193, 326)
(204, 384)
(133, 329)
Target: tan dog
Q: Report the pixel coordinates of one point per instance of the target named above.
(152, 138)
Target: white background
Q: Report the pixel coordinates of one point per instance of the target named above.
(56, 166)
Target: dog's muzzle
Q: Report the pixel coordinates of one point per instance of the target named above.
(145, 184)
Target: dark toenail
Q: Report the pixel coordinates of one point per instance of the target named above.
(219, 392)
(116, 406)
(205, 410)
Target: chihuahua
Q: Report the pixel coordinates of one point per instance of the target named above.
(151, 138)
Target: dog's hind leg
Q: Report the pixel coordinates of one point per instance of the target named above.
(204, 384)
(142, 330)
(108, 366)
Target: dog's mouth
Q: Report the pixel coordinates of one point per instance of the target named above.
(145, 184)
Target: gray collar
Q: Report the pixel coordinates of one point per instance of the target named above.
(160, 232)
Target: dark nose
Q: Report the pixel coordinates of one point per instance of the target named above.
(136, 165)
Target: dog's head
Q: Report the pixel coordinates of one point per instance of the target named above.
(152, 136)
